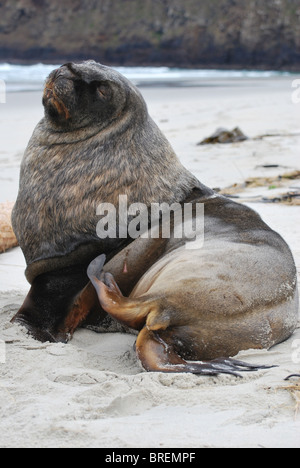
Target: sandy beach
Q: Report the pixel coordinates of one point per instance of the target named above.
(92, 392)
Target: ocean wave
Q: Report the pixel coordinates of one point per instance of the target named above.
(32, 77)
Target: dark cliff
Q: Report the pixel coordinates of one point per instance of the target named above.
(187, 33)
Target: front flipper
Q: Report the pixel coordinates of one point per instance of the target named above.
(57, 303)
(85, 302)
(157, 356)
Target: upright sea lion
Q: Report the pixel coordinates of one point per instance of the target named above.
(97, 142)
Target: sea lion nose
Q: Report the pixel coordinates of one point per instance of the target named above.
(48, 93)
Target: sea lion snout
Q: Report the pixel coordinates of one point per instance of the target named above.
(59, 96)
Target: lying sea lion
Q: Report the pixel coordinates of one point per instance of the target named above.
(237, 292)
(97, 142)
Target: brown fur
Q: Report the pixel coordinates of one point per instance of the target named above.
(237, 292)
(66, 175)
(95, 143)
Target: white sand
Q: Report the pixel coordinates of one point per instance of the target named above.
(93, 392)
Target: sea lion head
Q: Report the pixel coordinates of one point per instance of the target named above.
(78, 95)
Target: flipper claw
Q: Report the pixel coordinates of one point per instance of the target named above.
(156, 355)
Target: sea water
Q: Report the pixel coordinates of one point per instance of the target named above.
(32, 77)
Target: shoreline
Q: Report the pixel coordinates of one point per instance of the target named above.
(21, 78)
(171, 64)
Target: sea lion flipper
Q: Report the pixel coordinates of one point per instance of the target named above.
(154, 354)
(83, 304)
(57, 303)
(95, 267)
(158, 356)
(131, 313)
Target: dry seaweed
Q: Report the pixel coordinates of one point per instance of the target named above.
(294, 390)
(224, 136)
(290, 197)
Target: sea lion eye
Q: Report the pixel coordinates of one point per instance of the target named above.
(104, 91)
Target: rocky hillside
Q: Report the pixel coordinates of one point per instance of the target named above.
(204, 33)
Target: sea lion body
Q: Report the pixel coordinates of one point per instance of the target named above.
(238, 291)
(97, 142)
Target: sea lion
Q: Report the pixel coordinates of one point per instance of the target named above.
(237, 292)
(97, 142)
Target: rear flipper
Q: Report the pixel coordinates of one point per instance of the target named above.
(154, 353)
(131, 313)
(158, 356)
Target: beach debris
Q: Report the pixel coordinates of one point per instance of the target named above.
(290, 197)
(294, 390)
(270, 166)
(291, 376)
(223, 136)
(274, 135)
(291, 175)
(7, 237)
(252, 182)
